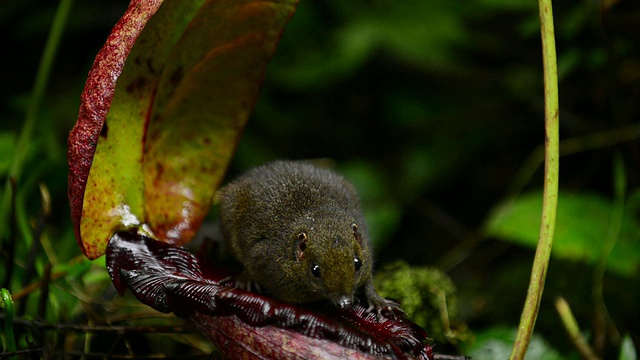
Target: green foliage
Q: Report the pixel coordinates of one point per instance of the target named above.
(8, 337)
(584, 222)
(496, 343)
(7, 146)
(422, 33)
(381, 211)
(427, 295)
(627, 351)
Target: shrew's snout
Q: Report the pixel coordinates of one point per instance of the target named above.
(342, 301)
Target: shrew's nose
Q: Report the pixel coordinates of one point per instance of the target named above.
(343, 302)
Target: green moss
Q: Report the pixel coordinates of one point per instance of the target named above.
(427, 295)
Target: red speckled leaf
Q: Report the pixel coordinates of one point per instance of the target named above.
(247, 325)
(95, 102)
(151, 153)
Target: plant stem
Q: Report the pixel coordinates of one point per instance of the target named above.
(570, 146)
(39, 87)
(571, 325)
(550, 195)
(602, 320)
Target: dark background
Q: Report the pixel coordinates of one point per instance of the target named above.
(431, 108)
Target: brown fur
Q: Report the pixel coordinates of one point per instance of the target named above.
(284, 218)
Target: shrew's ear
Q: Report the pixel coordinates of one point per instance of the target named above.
(356, 233)
(302, 245)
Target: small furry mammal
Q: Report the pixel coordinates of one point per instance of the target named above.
(300, 234)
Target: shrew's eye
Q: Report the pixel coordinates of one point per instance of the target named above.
(315, 270)
(358, 263)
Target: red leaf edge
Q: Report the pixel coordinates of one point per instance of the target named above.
(96, 98)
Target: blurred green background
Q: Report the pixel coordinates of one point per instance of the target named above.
(434, 109)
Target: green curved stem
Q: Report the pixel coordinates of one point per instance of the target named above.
(550, 196)
(571, 326)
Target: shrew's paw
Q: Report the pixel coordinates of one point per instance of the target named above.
(243, 282)
(380, 304)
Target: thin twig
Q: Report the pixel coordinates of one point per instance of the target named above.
(602, 319)
(37, 239)
(44, 292)
(450, 357)
(113, 329)
(30, 268)
(36, 285)
(571, 146)
(76, 354)
(550, 194)
(571, 326)
(21, 352)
